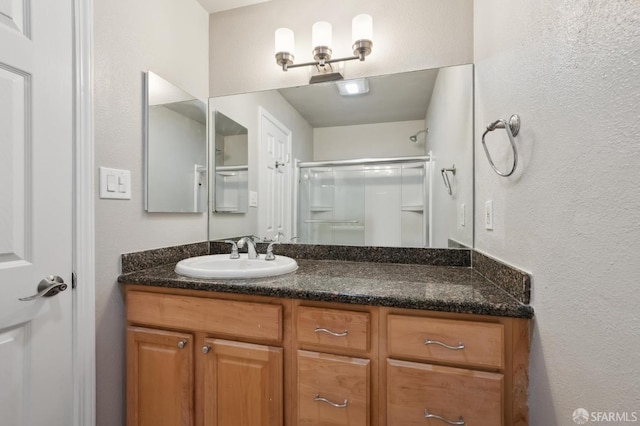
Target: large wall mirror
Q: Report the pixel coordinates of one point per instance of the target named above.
(381, 161)
(176, 149)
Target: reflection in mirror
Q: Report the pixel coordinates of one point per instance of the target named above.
(176, 149)
(231, 165)
(375, 168)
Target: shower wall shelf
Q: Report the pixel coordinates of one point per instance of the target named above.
(331, 221)
(412, 208)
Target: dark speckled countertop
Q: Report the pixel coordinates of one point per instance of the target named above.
(415, 286)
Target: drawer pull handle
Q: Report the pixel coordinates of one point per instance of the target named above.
(460, 422)
(333, 333)
(436, 342)
(331, 403)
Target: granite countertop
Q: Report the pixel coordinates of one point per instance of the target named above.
(438, 288)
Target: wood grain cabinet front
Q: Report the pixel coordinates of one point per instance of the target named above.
(333, 390)
(468, 343)
(424, 394)
(333, 329)
(198, 358)
(203, 361)
(243, 384)
(159, 377)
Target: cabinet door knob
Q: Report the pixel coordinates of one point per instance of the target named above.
(460, 422)
(182, 344)
(331, 403)
(206, 349)
(333, 333)
(436, 342)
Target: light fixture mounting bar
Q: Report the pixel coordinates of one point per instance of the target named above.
(329, 61)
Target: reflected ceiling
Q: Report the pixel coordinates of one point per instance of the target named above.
(396, 97)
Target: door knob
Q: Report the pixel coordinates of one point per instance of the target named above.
(49, 286)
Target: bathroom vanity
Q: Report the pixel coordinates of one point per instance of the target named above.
(335, 343)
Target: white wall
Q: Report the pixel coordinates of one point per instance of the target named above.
(450, 122)
(169, 37)
(571, 213)
(177, 144)
(244, 109)
(367, 140)
(408, 35)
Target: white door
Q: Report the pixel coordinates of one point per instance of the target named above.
(274, 191)
(35, 211)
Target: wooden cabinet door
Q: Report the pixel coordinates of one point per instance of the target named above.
(243, 384)
(159, 378)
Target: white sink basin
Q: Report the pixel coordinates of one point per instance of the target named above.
(221, 266)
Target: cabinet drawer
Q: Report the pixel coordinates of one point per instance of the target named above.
(420, 393)
(333, 328)
(452, 341)
(223, 317)
(333, 390)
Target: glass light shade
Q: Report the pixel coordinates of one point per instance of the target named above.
(284, 40)
(362, 28)
(321, 34)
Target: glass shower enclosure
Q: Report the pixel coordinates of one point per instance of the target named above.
(365, 202)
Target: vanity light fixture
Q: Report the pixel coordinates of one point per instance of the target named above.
(321, 35)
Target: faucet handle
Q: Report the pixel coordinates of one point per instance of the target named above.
(270, 255)
(234, 249)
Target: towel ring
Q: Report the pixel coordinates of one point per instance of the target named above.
(512, 130)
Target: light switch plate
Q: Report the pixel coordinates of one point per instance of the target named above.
(488, 215)
(115, 184)
(253, 199)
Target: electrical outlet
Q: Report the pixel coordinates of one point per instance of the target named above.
(488, 215)
(461, 214)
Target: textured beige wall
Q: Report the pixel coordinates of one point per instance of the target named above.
(570, 213)
(408, 35)
(169, 37)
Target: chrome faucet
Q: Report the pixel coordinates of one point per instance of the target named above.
(234, 250)
(251, 246)
(269, 255)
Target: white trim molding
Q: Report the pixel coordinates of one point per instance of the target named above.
(84, 357)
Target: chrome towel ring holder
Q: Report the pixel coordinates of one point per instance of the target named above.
(512, 130)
